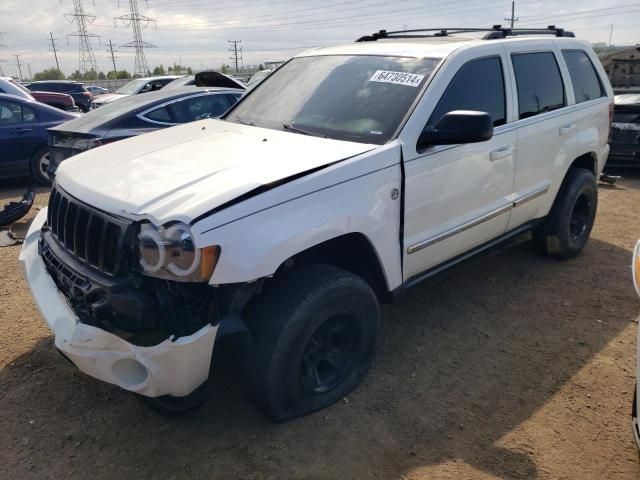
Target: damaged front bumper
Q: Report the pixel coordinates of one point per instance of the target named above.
(172, 367)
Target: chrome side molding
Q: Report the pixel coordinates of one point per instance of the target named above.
(477, 221)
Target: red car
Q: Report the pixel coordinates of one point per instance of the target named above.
(58, 100)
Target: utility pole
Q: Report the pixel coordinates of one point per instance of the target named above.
(29, 67)
(53, 47)
(137, 22)
(236, 52)
(2, 60)
(513, 19)
(87, 60)
(611, 34)
(113, 57)
(19, 65)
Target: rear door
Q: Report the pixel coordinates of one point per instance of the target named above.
(546, 127)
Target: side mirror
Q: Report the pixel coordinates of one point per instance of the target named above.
(459, 126)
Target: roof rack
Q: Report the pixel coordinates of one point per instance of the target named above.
(493, 33)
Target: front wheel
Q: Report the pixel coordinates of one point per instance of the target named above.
(567, 228)
(315, 330)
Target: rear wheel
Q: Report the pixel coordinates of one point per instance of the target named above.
(39, 166)
(567, 228)
(315, 331)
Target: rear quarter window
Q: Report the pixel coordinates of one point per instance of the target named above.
(584, 78)
(539, 83)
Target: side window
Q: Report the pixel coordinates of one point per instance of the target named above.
(584, 78)
(160, 115)
(232, 98)
(198, 108)
(478, 85)
(11, 112)
(539, 83)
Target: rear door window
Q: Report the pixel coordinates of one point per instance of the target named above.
(161, 115)
(539, 83)
(479, 86)
(11, 112)
(584, 78)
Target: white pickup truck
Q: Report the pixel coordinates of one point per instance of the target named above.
(350, 174)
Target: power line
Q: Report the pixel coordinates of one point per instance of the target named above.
(236, 53)
(53, 47)
(111, 54)
(137, 22)
(87, 60)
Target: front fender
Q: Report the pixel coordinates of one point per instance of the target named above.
(255, 246)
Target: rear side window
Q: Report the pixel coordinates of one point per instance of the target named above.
(584, 78)
(11, 112)
(540, 87)
(160, 115)
(479, 86)
(200, 107)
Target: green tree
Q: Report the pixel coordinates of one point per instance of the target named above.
(102, 76)
(49, 74)
(224, 68)
(159, 70)
(90, 75)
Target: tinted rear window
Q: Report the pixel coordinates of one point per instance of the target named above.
(585, 80)
(540, 87)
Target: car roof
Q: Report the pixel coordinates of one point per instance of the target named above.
(56, 81)
(159, 77)
(126, 105)
(430, 47)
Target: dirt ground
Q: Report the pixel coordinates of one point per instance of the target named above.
(516, 366)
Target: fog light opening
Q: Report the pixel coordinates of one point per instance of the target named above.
(129, 372)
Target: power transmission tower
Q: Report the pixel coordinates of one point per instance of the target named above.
(81, 19)
(236, 52)
(111, 53)
(513, 19)
(53, 47)
(19, 65)
(137, 22)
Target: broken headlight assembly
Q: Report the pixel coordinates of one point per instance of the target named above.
(170, 253)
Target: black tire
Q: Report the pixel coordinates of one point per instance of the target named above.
(38, 166)
(175, 406)
(315, 330)
(565, 231)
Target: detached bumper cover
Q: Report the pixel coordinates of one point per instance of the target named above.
(170, 368)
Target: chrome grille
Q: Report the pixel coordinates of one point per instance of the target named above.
(93, 237)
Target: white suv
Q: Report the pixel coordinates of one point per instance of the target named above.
(350, 174)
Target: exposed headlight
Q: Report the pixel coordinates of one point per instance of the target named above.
(635, 267)
(170, 253)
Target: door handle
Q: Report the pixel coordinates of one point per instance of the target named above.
(501, 152)
(567, 129)
(21, 130)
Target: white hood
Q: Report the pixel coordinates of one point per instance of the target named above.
(182, 172)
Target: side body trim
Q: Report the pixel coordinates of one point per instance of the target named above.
(516, 202)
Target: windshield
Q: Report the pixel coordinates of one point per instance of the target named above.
(356, 98)
(133, 87)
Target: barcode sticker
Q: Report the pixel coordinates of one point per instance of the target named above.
(397, 78)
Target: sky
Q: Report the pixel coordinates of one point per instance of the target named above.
(195, 33)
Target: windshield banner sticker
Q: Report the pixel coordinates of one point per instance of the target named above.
(397, 78)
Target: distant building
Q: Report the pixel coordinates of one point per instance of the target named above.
(622, 65)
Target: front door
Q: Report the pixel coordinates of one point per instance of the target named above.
(17, 130)
(458, 197)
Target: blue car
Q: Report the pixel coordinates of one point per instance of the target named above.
(24, 136)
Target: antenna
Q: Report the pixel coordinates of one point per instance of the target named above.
(87, 60)
(137, 22)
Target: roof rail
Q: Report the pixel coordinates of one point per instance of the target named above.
(495, 32)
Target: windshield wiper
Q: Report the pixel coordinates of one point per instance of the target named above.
(291, 127)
